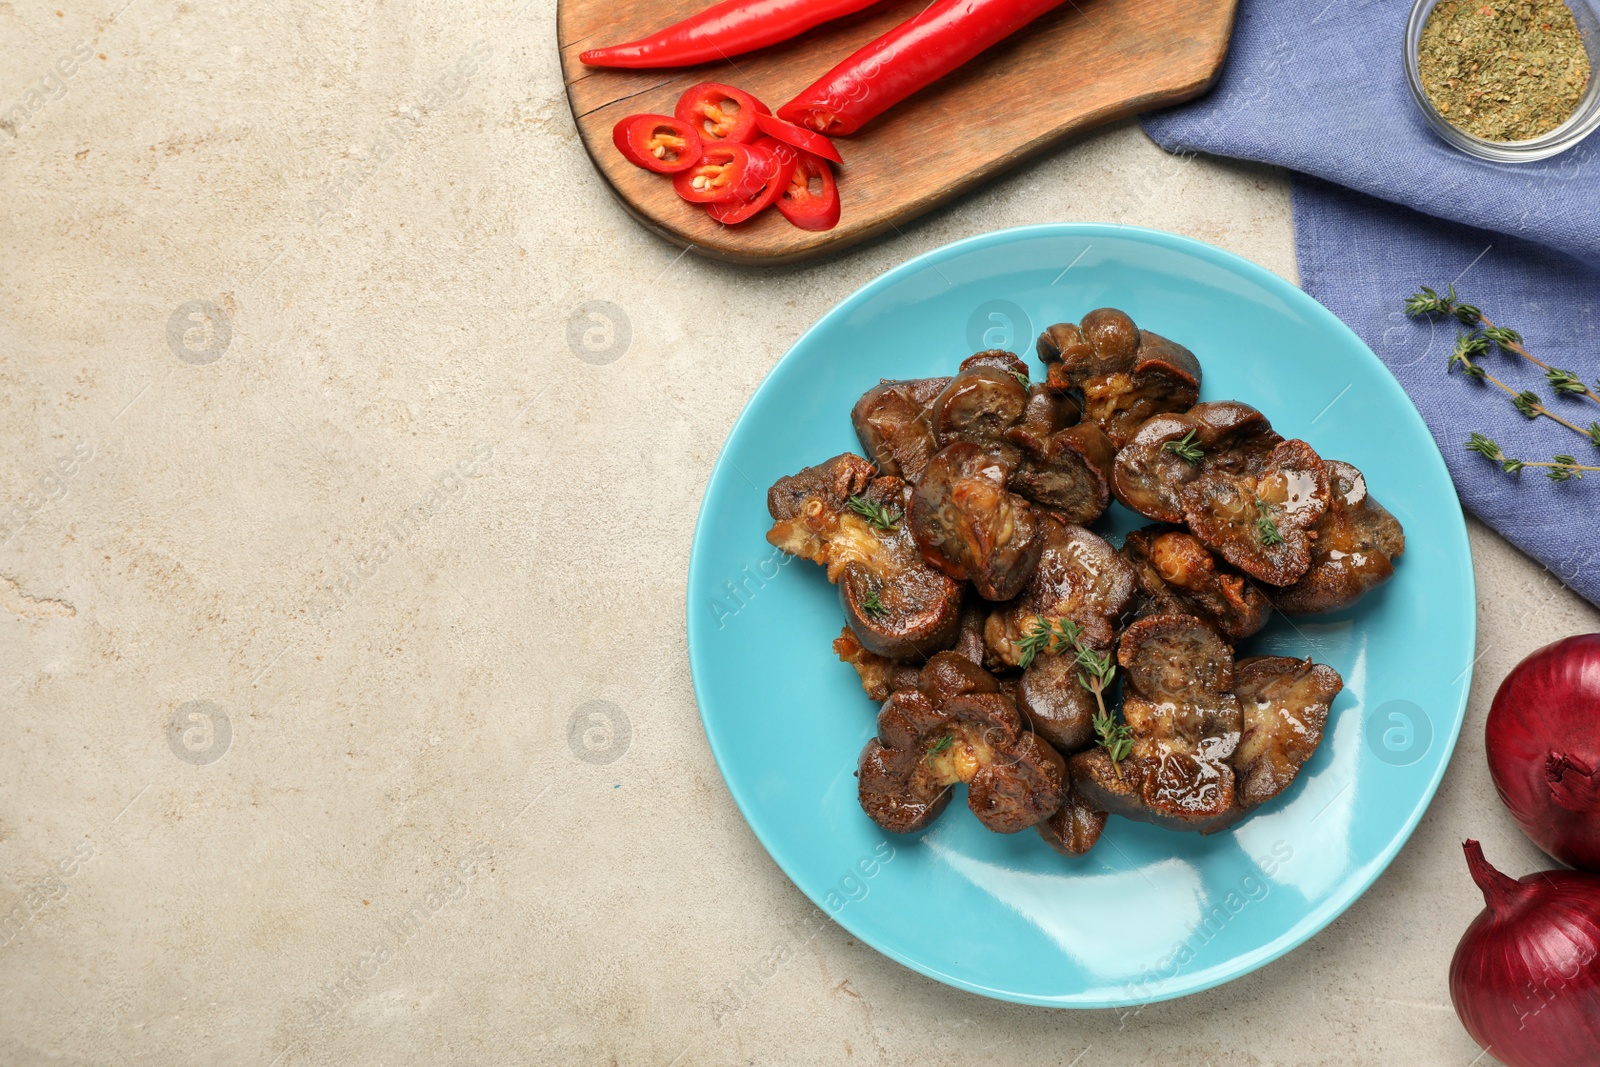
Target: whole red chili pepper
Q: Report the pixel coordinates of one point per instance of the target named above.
(722, 30)
(914, 54)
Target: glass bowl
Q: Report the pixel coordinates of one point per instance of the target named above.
(1582, 123)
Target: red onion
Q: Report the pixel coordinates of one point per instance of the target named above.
(1543, 739)
(1525, 979)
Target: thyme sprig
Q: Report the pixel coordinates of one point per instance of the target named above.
(1528, 403)
(1266, 526)
(1559, 468)
(1482, 334)
(1427, 302)
(1096, 671)
(943, 743)
(1115, 737)
(1044, 636)
(872, 605)
(875, 513)
(1186, 448)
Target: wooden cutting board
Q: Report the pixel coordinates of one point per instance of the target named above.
(1086, 63)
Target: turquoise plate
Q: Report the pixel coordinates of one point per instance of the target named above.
(1149, 914)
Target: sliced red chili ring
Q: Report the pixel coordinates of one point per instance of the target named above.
(799, 136)
(726, 171)
(785, 158)
(812, 200)
(720, 112)
(657, 142)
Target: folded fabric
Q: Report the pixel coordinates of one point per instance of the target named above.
(1360, 257)
(1319, 87)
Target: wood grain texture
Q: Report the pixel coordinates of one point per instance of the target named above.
(1086, 63)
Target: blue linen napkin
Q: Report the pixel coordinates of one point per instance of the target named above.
(1319, 87)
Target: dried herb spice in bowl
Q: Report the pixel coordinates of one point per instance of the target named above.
(1503, 71)
(1506, 80)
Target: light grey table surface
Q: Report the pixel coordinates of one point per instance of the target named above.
(297, 456)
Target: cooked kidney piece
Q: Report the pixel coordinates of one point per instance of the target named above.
(1185, 724)
(1177, 575)
(841, 516)
(1202, 756)
(880, 675)
(957, 726)
(891, 419)
(1053, 459)
(1068, 471)
(1261, 522)
(1355, 547)
(1080, 579)
(1121, 374)
(1170, 451)
(1075, 827)
(1285, 705)
(970, 526)
(981, 402)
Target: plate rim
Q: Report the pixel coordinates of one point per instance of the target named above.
(1316, 919)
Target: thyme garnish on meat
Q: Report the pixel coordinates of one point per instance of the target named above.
(1022, 379)
(943, 743)
(1096, 671)
(1266, 526)
(876, 514)
(872, 605)
(1116, 738)
(1186, 448)
(1044, 636)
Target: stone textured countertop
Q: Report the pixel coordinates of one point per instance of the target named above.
(318, 532)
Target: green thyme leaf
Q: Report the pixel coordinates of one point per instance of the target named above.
(1502, 336)
(1097, 668)
(1186, 448)
(872, 605)
(1267, 527)
(1483, 446)
(1115, 737)
(876, 514)
(1035, 641)
(1424, 302)
(939, 746)
(1564, 467)
(1564, 382)
(1527, 402)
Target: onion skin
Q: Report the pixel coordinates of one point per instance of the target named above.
(1543, 741)
(1525, 980)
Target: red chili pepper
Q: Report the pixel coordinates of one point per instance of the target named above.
(720, 112)
(812, 200)
(914, 54)
(730, 28)
(785, 158)
(657, 142)
(726, 171)
(801, 138)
